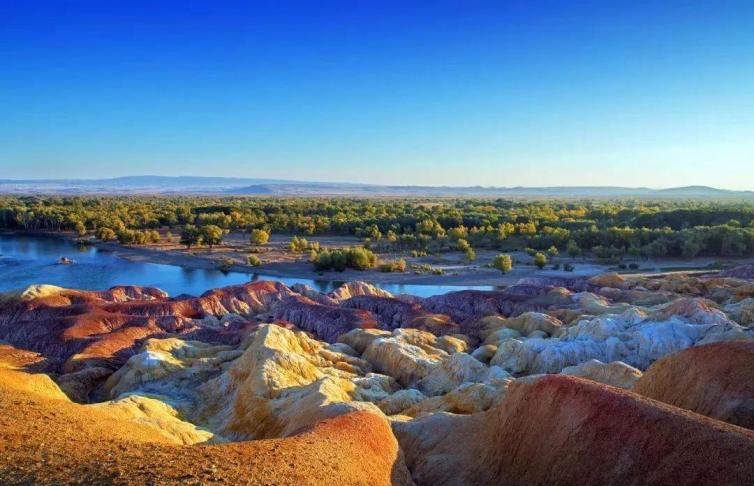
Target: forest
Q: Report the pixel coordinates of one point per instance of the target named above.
(608, 229)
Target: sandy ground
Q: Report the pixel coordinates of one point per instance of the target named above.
(278, 261)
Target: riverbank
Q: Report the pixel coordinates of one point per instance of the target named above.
(279, 262)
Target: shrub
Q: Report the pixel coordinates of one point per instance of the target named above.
(633, 266)
(225, 264)
(573, 249)
(394, 266)
(253, 260)
(568, 267)
(297, 244)
(540, 260)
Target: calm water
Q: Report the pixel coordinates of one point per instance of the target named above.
(26, 260)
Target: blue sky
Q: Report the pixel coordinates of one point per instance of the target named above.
(633, 93)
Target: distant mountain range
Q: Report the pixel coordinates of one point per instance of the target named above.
(232, 186)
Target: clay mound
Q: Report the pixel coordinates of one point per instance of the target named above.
(565, 430)
(44, 439)
(716, 380)
(609, 280)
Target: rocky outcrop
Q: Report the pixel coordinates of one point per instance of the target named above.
(354, 289)
(406, 362)
(716, 380)
(630, 337)
(283, 382)
(564, 430)
(742, 311)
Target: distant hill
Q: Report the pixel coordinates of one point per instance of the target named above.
(140, 184)
(147, 184)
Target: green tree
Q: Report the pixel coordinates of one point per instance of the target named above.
(191, 236)
(339, 260)
(458, 233)
(502, 262)
(361, 258)
(553, 251)
(540, 260)
(126, 237)
(573, 249)
(80, 228)
(323, 260)
(106, 234)
(259, 237)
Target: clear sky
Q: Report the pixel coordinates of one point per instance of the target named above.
(502, 93)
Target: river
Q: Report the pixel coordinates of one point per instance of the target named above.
(27, 260)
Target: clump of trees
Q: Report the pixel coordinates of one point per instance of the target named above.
(342, 258)
(137, 237)
(302, 244)
(106, 234)
(259, 237)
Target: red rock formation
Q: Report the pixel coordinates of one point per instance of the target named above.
(566, 430)
(75, 329)
(393, 313)
(716, 380)
(324, 321)
(468, 306)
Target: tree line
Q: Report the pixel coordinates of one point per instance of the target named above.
(609, 229)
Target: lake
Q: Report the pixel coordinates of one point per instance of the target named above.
(27, 260)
